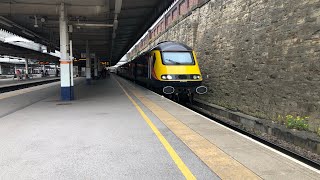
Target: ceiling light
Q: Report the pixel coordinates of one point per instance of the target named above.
(43, 20)
(115, 24)
(93, 25)
(35, 22)
(15, 39)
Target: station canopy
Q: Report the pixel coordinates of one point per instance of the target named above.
(111, 27)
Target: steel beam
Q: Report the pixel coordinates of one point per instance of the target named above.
(51, 9)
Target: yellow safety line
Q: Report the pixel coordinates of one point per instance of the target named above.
(183, 168)
(218, 161)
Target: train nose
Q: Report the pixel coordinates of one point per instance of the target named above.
(168, 90)
(201, 90)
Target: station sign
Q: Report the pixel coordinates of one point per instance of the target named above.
(84, 55)
(105, 63)
(43, 62)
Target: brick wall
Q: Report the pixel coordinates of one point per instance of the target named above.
(259, 57)
(181, 8)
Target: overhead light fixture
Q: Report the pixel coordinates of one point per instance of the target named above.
(5, 23)
(43, 20)
(78, 27)
(93, 25)
(15, 39)
(70, 28)
(35, 22)
(115, 24)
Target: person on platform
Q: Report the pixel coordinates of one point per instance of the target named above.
(18, 74)
(57, 73)
(104, 73)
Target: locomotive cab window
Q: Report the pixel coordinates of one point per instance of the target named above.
(177, 58)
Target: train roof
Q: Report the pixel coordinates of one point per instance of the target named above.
(171, 46)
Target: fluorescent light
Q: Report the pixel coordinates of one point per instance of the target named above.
(93, 25)
(15, 39)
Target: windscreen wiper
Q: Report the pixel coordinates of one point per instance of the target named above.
(172, 61)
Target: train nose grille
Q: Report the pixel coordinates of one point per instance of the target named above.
(182, 77)
(168, 90)
(201, 90)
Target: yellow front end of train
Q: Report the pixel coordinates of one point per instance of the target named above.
(176, 66)
(175, 69)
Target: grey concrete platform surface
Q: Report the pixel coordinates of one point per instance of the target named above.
(100, 135)
(265, 162)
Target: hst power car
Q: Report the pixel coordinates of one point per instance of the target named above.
(170, 68)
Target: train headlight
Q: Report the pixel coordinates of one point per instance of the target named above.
(196, 76)
(163, 77)
(169, 77)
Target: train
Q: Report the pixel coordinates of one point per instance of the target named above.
(169, 68)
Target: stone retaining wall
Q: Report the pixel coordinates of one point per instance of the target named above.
(258, 57)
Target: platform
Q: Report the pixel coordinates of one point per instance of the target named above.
(11, 82)
(118, 130)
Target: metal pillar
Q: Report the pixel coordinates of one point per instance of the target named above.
(71, 55)
(88, 64)
(56, 69)
(67, 91)
(95, 67)
(0, 70)
(99, 65)
(27, 68)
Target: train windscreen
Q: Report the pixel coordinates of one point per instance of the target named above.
(177, 58)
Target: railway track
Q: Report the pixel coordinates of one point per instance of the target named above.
(13, 87)
(232, 125)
